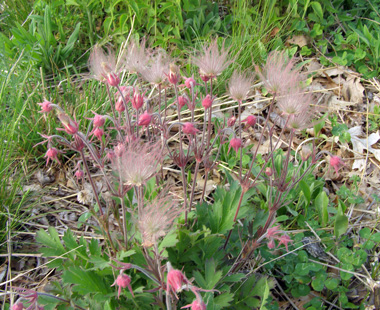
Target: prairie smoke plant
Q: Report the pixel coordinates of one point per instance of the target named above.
(236, 144)
(336, 162)
(137, 162)
(103, 66)
(250, 120)
(51, 154)
(295, 102)
(239, 86)
(173, 76)
(212, 61)
(207, 101)
(156, 218)
(279, 74)
(70, 126)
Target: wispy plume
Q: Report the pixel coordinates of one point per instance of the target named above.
(135, 57)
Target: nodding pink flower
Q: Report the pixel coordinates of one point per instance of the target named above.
(285, 239)
(196, 305)
(236, 144)
(336, 162)
(182, 101)
(79, 174)
(175, 280)
(99, 120)
(207, 101)
(173, 75)
(71, 127)
(125, 92)
(123, 281)
(190, 82)
(113, 79)
(46, 106)
(78, 144)
(137, 100)
(268, 172)
(231, 121)
(188, 128)
(271, 244)
(250, 120)
(18, 306)
(145, 119)
(51, 154)
(119, 105)
(103, 66)
(98, 132)
(239, 86)
(212, 62)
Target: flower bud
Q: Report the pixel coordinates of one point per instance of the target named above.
(137, 101)
(189, 129)
(190, 82)
(79, 174)
(46, 106)
(182, 101)
(207, 102)
(250, 120)
(236, 144)
(173, 76)
(113, 79)
(231, 121)
(18, 306)
(99, 120)
(268, 171)
(98, 132)
(71, 127)
(145, 119)
(119, 105)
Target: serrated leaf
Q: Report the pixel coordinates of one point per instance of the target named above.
(123, 254)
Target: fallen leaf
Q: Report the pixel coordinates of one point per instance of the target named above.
(359, 144)
(299, 40)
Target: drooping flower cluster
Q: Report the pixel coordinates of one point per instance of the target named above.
(275, 234)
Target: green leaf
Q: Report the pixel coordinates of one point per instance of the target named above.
(365, 233)
(306, 191)
(319, 281)
(346, 275)
(123, 254)
(332, 283)
(265, 297)
(317, 9)
(341, 224)
(322, 202)
(300, 290)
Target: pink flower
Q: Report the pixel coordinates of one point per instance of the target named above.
(268, 172)
(271, 244)
(123, 281)
(103, 66)
(182, 101)
(239, 86)
(231, 121)
(336, 162)
(18, 306)
(156, 218)
(173, 75)
(145, 119)
(99, 120)
(212, 62)
(79, 174)
(71, 127)
(250, 120)
(273, 231)
(207, 101)
(98, 132)
(175, 280)
(196, 305)
(188, 128)
(125, 92)
(236, 144)
(46, 106)
(51, 154)
(137, 100)
(285, 239)
(190, 82)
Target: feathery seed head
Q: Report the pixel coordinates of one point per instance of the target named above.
(156, 69)
(239, 86)
(156, 218)
(212, 61)
(278, 74)
(103, 66)
(137, 162)
(136, 57)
